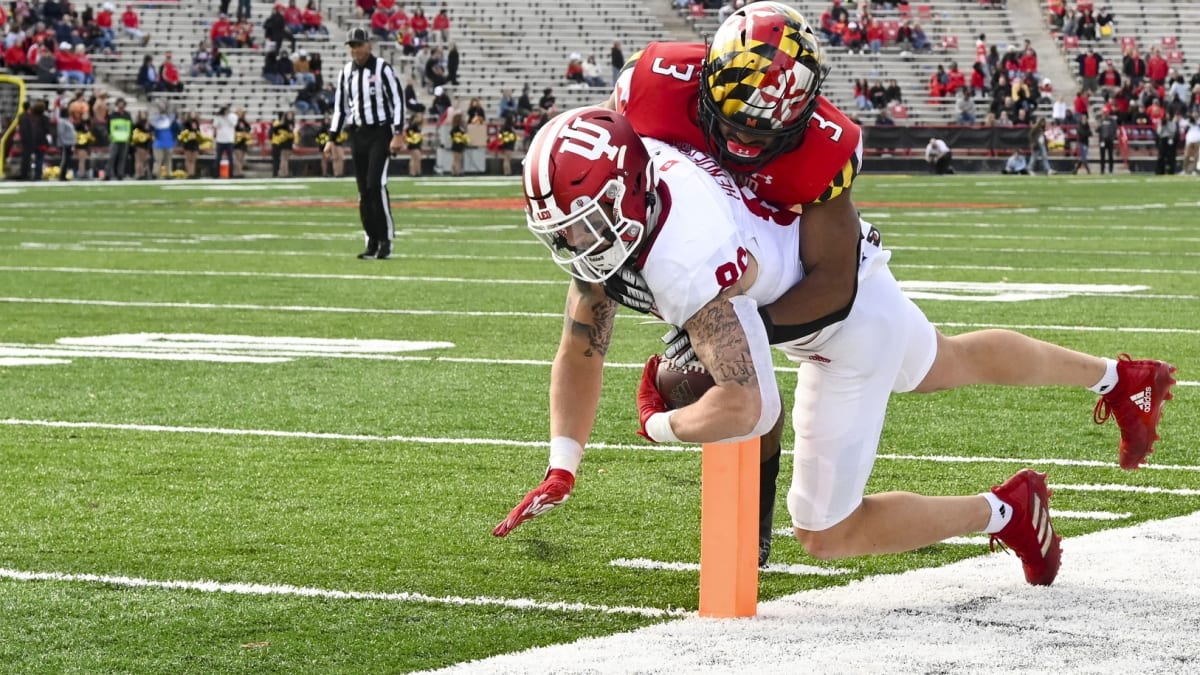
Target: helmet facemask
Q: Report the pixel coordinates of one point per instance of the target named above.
(589, 243)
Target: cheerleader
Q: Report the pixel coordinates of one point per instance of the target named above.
(415, 140)
(458, 143)
(242, 133)
(335, 162)
(189, 140)
(142, 140)
(283, 139)
(508, 141)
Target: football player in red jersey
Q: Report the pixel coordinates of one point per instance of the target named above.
(752, 99)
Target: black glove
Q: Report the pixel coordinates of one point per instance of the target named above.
(629, 289)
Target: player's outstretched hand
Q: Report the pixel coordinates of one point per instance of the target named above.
(553, 491)
(628, 288)
(650, 400)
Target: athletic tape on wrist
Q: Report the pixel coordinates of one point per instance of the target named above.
(565, 453)
(658, 427)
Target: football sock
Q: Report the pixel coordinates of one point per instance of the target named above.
(1109, 380)
(768, 472)
(1001, 514)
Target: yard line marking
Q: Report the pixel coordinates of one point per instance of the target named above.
(913, 288)
(289, 275)
(1010, 268)
(206, 586)
(544, 315)
(1146, 489)
(779, 568)
(1072, 252)
(1090, 515)
(787, 533)
(431, 440)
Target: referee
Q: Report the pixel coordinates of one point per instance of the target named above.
(368, 103)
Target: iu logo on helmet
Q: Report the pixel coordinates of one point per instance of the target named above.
(591, 141)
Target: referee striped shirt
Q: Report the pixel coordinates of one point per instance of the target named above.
(368, 96)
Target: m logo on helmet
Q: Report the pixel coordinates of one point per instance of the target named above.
(591, 141)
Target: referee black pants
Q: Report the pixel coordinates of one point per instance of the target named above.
(369, 148)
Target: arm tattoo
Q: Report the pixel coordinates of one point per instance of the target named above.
(598, 333)
(720, 334)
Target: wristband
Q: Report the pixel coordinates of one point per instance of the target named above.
(565, 454)
(658, 427)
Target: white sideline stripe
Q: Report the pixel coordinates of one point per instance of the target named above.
(538, 444)
(309, 592)
(778, 568)
(974, 616)
(550, 315)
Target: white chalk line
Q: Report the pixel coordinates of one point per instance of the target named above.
(773, 568)
(545, 315)
(559, 282)
(205, 586)
(912, 287)
(432, 440)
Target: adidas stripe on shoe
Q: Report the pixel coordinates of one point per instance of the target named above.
(1030, 533)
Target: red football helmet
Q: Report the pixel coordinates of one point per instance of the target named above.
(589, 191)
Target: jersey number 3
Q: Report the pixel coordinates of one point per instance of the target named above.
(673, 71)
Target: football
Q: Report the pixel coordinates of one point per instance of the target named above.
(681, 386)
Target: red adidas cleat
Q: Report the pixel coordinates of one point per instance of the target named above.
(1030, 534)
(1136, 402)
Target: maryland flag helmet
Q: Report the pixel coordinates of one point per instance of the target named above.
(759, 84)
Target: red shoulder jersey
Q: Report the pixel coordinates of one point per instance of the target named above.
(659, 94)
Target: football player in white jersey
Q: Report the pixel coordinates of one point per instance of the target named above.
(601, 198)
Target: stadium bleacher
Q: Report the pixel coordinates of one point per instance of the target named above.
(511, 44)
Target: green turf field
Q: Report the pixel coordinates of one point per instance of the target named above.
(202, 384)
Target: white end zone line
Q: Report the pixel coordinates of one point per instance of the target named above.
(205, 586)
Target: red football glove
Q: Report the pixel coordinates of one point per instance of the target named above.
(553, 491)
(649, 399)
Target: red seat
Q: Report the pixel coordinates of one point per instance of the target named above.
(1128, 42)
(899, 112)
(696, 10)
(950, 43)
(1070, 42)
(1174, 57)
(1168, 42)
(925, 12)
(891, 31)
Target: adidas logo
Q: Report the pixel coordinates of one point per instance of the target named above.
(1040, 519)
(1143, 400)
(819, 359)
